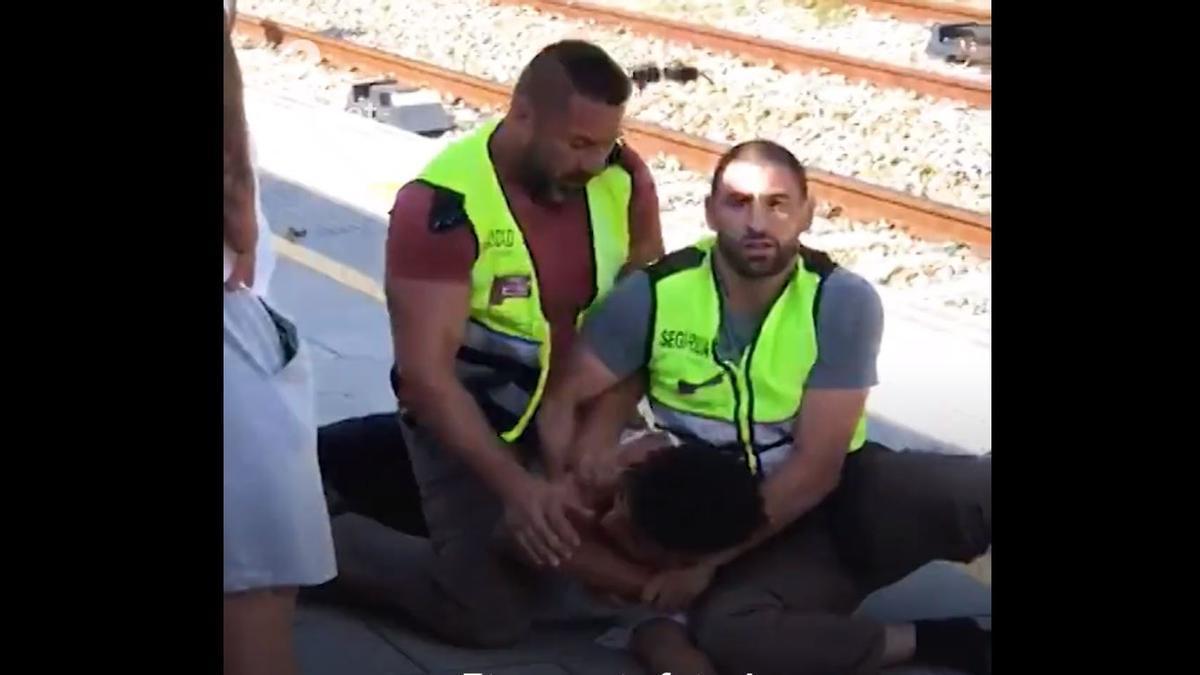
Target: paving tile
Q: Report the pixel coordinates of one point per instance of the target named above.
(938, 590)
(341, 231)
(330, 641)
(348, 337)
(344, 641)
(544, 645)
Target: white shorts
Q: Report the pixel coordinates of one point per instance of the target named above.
(277, 530)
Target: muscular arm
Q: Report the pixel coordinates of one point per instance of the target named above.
(585, 377)
(602, 421)
(610, 350)
(588, 376)
(822, 433)
(428, 290)
(849, 332)
(240, 228)
(428, 319)
(645, 226)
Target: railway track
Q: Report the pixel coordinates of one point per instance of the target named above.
(927, 10)
(783, 55)
(857, 199)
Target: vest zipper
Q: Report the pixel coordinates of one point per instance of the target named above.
(751, 459)
(745, 369)
(747, 449)
(750, 440)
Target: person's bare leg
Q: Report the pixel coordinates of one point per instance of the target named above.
(663, 646)
(258, 633)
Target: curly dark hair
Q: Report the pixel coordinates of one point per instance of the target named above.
(694, 499)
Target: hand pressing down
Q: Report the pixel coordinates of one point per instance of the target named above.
(536, 514)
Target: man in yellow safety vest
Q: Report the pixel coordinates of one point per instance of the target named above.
(753, 345)
(495, 252)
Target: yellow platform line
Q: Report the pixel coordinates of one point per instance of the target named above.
(343, 274)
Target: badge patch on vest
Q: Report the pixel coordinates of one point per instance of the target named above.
(513, 286)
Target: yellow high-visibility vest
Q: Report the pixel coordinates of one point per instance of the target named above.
(505, 356)
(749, 406)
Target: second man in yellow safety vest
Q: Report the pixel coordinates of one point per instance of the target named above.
(751, 344)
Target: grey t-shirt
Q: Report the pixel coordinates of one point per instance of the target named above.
(849, 330)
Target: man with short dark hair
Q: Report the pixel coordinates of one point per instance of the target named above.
(752, 345)
(494, 254)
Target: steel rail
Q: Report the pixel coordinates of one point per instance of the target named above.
(780, 54)
(857, 199)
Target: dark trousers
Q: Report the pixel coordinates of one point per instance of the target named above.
(365, 465)
(457, 582)
(787, 607)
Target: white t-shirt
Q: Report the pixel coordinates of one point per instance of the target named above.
(264, 255)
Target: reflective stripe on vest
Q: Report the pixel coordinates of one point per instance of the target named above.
(749, 405)
(505, 356)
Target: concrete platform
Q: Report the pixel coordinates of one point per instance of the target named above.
(300, 147)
